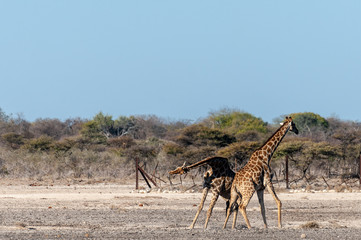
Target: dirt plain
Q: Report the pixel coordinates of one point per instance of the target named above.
(117, 211)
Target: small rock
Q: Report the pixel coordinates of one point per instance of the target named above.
(303, 235)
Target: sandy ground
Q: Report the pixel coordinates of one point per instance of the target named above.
(112, 211)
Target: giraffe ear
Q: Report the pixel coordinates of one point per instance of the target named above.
(281, 124)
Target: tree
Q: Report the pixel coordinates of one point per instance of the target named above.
(3, 121)
(126, 126)
(91, 132)
(348, 136)
(200, 135)
(105, 124)
(322, 155)
(241, 151)
(151, 126)
(48, 127)
(236, 122)
(13, 140)
(3, 116)
(292, 150)
(310, 124)
(42, 143)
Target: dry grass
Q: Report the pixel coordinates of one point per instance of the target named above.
(40, 166)
(310, 225)
(21, 225)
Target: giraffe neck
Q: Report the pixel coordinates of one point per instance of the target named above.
(270, 146)
(209, 161)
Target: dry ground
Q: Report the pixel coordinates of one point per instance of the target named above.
(113, 211)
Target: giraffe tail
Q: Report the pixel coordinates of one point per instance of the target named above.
(234, 206)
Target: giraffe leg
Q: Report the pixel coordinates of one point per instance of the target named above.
(227, 206)
(236, 211)
(278, 201)
(235, 216)
(205, 192)
(242, 208)
(231, 203)
(211, 206)
(261, 205)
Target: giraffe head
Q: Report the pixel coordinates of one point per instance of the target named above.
(291, 124)
(180, 170)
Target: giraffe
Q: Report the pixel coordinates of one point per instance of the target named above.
(218, 178)
(256, 176)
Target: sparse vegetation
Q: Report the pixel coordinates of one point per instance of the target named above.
(104, 147)
(310, 225)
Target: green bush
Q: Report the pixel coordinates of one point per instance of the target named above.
(91, 133)
(173, 149)
(308, 121)
(13, 140)
(121, 142)
(240, 150)
(43, 143)
(236, 122)
(200, 135)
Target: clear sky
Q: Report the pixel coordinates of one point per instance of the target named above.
(180, 59)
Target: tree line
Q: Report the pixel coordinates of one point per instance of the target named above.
(105, 147)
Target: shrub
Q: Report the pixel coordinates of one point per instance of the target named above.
(236, 122)
(121, 142)
(172, 148)
(13, 140)
(91, 133)
(201, 135)
(240, 150)
(43, 143)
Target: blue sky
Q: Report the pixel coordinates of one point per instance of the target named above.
(180, 59)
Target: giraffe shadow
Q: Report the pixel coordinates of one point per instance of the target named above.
(241, 227)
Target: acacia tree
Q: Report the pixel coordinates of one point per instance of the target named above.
(201, 135)
(293, 150)
(126, 126)
(239, 151)
(3, 121)
(105, 124)
(91, 133)
(115, 128)
(348, 137)
(48, 127)
(311, 125)
(235, 122)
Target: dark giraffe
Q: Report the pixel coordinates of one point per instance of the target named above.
(218, 179)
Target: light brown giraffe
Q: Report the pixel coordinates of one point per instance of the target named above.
(256, 176)
(218, 178)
